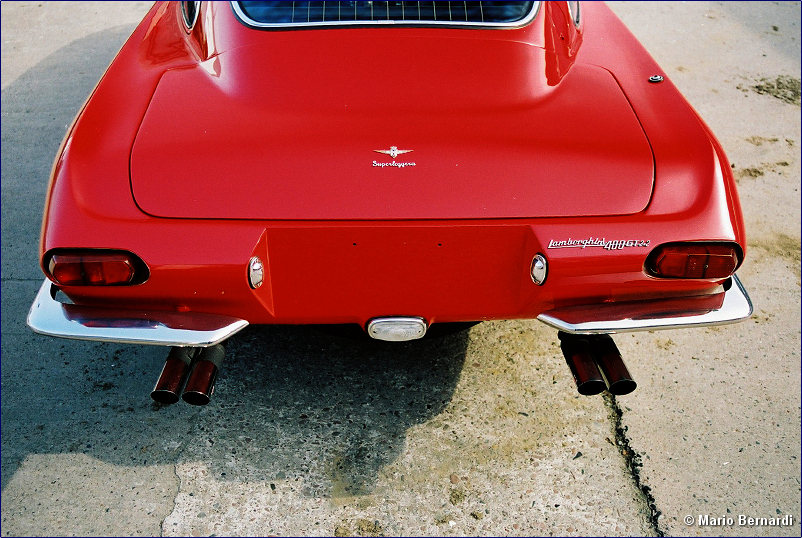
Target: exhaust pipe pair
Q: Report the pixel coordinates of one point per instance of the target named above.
(596, 364)
(192, 369)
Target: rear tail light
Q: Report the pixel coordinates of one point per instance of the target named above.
(95, 268)
(694, 260)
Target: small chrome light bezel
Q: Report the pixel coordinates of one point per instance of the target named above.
(396, 329)
(539, 269)
(256, 272)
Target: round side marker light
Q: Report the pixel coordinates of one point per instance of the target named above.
(256, 272)
(539, 270)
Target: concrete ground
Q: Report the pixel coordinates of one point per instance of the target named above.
(481, 433)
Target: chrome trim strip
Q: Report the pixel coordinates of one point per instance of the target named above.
(278, 25)
(576, 15)
(736, 307)
(50, 317)
(187, 23)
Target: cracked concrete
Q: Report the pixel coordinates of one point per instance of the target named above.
(480, 433)
(634, 463)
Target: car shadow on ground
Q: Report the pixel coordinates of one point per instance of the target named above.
(291, 401)
(301, 404)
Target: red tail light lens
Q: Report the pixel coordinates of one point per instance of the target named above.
(96, 268)
(694, 260)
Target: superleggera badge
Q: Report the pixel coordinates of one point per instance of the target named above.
(393, 152)
(601, 242)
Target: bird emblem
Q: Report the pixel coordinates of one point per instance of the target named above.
(393, 151)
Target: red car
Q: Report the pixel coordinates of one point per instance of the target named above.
(394, 165)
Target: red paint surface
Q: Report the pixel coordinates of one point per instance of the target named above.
(288, 129)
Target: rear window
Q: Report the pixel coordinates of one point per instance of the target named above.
(291, 14)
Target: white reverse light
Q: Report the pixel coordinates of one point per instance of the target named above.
(397, 329)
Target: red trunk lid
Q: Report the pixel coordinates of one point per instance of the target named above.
(293, 130)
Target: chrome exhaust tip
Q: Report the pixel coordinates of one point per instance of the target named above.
(174, 373)
(200, 385)
(616, 376)
(578, 354)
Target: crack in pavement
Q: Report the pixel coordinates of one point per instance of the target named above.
(193, 420)
(633, 462)
(175, 498)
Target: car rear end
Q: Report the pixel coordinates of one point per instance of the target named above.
(388, 173)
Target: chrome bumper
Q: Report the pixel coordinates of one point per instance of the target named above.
(53, 318)
(50, 317)
(728, 306)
